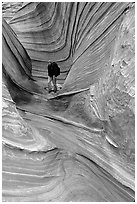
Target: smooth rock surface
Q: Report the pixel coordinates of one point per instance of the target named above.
(16, 63)
(79, 145)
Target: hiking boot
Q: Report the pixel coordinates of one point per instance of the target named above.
(55, 89)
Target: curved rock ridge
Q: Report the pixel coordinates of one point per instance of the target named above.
(79, 36)
(16, 63)
(16, 132)
(80, 145)
(56, 176)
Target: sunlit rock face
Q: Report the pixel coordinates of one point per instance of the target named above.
(78, 146)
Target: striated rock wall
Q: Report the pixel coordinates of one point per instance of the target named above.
(114, 95)
(79, 36)
(16, 63)
(16, 132)
(79, 146)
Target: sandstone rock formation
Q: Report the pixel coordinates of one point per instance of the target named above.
(78, 146)
(79, 36)
(16, 63)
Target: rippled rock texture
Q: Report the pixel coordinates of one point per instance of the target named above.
(79, 145)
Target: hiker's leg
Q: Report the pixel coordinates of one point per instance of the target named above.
(54, 83)
(49, 83)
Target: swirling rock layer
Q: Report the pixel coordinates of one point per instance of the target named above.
(79, 36)
(78, 146)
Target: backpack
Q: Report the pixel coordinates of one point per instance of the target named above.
(55, 65)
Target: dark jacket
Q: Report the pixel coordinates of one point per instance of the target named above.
(53, 69)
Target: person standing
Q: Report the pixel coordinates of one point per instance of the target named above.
(53, 72)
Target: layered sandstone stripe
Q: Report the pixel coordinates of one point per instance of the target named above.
(57, 176)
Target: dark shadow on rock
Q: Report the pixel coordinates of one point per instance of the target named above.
(18, 95)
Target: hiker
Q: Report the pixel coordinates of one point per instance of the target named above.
(53, 72)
